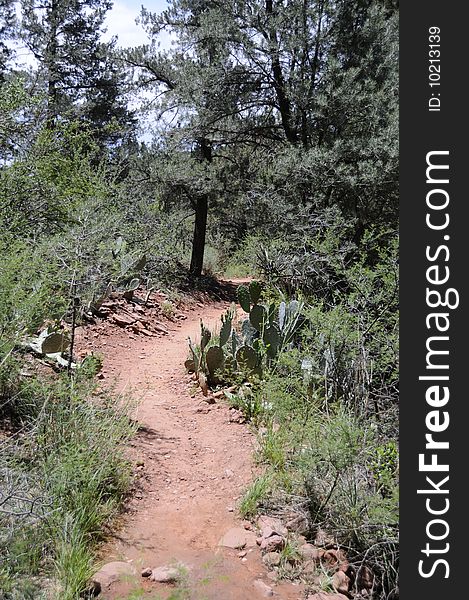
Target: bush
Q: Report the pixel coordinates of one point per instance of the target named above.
(338, 462)
(65, 474)
(242, 262)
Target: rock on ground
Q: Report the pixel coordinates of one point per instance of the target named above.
(270, 526)
(112, 572)
(341, 582)
(310, 552)
(263, 588)
(273, 543)
(271, 559)
(165, 574)
(237, 538)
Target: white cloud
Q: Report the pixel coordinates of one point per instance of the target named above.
(120, 21)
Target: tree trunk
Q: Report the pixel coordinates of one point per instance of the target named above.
(51, 64)
(198, 240)
(284, 104)
(204, 151)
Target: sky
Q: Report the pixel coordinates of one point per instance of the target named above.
(121, 20)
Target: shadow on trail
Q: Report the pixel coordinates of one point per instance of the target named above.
(216, 289)
(147, 434)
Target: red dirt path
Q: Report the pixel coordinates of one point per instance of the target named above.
(196, 465)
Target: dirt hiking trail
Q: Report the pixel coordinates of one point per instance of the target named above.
(192, 467)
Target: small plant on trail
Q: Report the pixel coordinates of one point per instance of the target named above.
(255, 495)
(290, 560)
(247, 402)
(168, 309)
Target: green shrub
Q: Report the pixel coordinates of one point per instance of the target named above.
(338, 463)
(69, 473)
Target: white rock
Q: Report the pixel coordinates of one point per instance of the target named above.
(263, 588)
(112, 572)
(165, 574)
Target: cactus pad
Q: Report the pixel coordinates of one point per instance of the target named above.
(225, 330)
(272, 340)
(205, 336)
(258, 317)
(244, 298)
(215, 360)
(54, 342)
(255, 290)
(248, 331)
(246, 357)
(190, 365)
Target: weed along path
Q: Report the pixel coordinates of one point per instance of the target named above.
(192, 466)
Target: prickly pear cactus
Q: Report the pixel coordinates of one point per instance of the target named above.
(248, 332)
(272, 340)
(246, 357)
(272, 313)
(235, 342)
(190, 365)
(133, 285)
(215, 360)
(205, 336)
(54, 342)
(133, 264)
(140, 263)
(230, 364)
(226, 324)
(130, 289)
(195, 357)
(255, 290)
(282, 311)
(244, 298)
(258, 317)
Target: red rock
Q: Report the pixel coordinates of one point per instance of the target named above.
(270, 526)
(298, 524)
(271, 559)
(340, 582)
(365, 578)
(310, 552)
(323, 540)
(123, 320)
(263, 588)
(237, 539)
(336, 558)
(273, 543)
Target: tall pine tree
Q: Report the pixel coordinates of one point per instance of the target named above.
(7, 23)
(76, 67)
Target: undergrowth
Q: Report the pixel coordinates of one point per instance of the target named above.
(63, 474)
